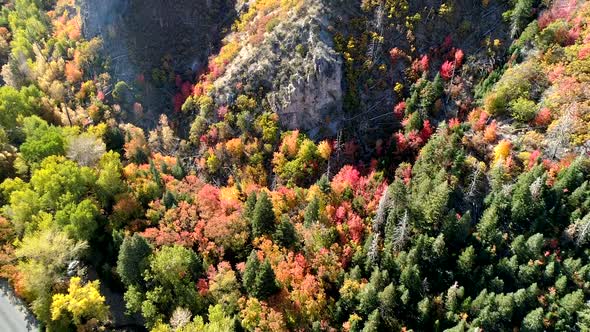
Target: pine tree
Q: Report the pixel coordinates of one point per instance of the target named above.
(169, 199)
(178, 170)
(250, 272)
(263, 217)
(438, 85)
(533, 322)
(155, 173)
(324, 184)
(265, 284)
(528, 201)
(372, 324)
(249, 206)
(286, 234)
(312, 212)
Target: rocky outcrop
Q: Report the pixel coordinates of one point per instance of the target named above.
(296, 64)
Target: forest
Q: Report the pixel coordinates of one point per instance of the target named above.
(454, 194)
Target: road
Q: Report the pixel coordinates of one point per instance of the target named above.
(12, 312)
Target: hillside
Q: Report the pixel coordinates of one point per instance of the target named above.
(297, 165)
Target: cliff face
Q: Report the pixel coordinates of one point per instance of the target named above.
(296, 64)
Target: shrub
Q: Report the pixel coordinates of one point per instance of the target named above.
(523, 109)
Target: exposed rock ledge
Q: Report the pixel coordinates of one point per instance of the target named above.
(298, 66)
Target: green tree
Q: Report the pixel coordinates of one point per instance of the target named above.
(42, 140)
(372, 324)
(265, 283)
(312, 211)
(250, 205)
(174, 265)
(78, 220)
(110, 178)
(533, 321)
(250, 272)
(285, 235)
(523, 109)
(59, 181)
(14, 103)
(263, 217)
(178, 170)
(168, 199)
(466, 261)
(528, 202)
(520, 16)
(133, 259)
(156, 174)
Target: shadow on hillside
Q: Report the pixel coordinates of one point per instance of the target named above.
(143, 36)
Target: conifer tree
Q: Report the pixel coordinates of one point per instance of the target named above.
(250, 272)
(285, 234)
(177, 170)
(533, 321)
(263, 217)
(324, 184)
(265, 283)
(250, 205)
(155, 173)
(372, 324)
(169, 200)
(312, 211)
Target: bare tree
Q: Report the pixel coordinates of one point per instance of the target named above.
(86, 149)
(381, 215)
(558, 138)
(582, 230)
(180, 317)
(474, 188)
(373, 254)
(400, 235)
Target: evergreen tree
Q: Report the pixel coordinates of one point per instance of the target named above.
(528, 198)
(312, 212)
(156, 173)
(263, 217)
(372, 324)
(250, 272)
(178, 170)
(324, 184)
(250, 205)
(533, 322)
(169, 199)
(265, 283)
(285, 235)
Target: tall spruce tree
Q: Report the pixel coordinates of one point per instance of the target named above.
(250, 272)
(263, 217)
(286, 235)
(312, 211)
(265, 284)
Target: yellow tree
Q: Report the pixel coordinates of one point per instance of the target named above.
(81, 302)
